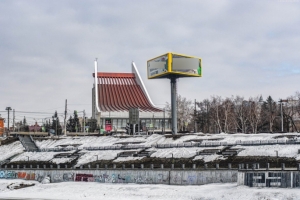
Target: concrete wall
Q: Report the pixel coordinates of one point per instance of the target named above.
(172, 177)
(269, 178)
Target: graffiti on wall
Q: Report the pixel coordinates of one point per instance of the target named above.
(192, 179)
(104, 178)
(39, 177)
(68, 177)
(176, 178)
(8, 174)
(130, 176)
(26, 175)
(85, 177)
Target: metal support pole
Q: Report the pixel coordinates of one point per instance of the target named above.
(173, 105)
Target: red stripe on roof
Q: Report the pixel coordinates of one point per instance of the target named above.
(120, 92)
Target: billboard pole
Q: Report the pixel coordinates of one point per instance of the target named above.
(173, 104)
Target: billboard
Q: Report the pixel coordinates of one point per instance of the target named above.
(172, 64)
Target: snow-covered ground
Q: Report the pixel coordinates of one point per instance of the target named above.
(91, 190)
(16, 149)
(10, 150)
(270, 150)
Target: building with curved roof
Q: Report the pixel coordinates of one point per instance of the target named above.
(115, 95)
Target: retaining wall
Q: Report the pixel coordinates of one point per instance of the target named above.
(171, 177)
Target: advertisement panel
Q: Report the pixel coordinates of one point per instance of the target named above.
(157, 66)
(186, 65)
(172, 64)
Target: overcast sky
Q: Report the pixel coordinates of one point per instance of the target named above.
(47, 48)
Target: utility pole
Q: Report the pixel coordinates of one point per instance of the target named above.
(65, 123)
(14, 120)
(8, 109)
(84, 121)
(164, 122)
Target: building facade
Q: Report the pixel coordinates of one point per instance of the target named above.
(115, 94)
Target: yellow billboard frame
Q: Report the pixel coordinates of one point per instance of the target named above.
(170, 72)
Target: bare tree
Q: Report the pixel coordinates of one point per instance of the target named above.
(241, 108)
(290, 111)
(203, 115)
(228, 113)
(255, 113)
(216, 109)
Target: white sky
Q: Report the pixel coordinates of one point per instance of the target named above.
(47, 48)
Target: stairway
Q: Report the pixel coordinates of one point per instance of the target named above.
(28, 143)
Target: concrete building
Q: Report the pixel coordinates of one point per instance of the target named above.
(1, 126)
(115, 94)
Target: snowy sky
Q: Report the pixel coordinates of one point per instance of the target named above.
(47, 48)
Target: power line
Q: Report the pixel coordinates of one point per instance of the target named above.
(35, 112)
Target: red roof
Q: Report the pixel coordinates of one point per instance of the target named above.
(120, 92)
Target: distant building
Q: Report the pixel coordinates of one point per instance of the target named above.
(115, 94)
(1, 126)
(35, 128)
